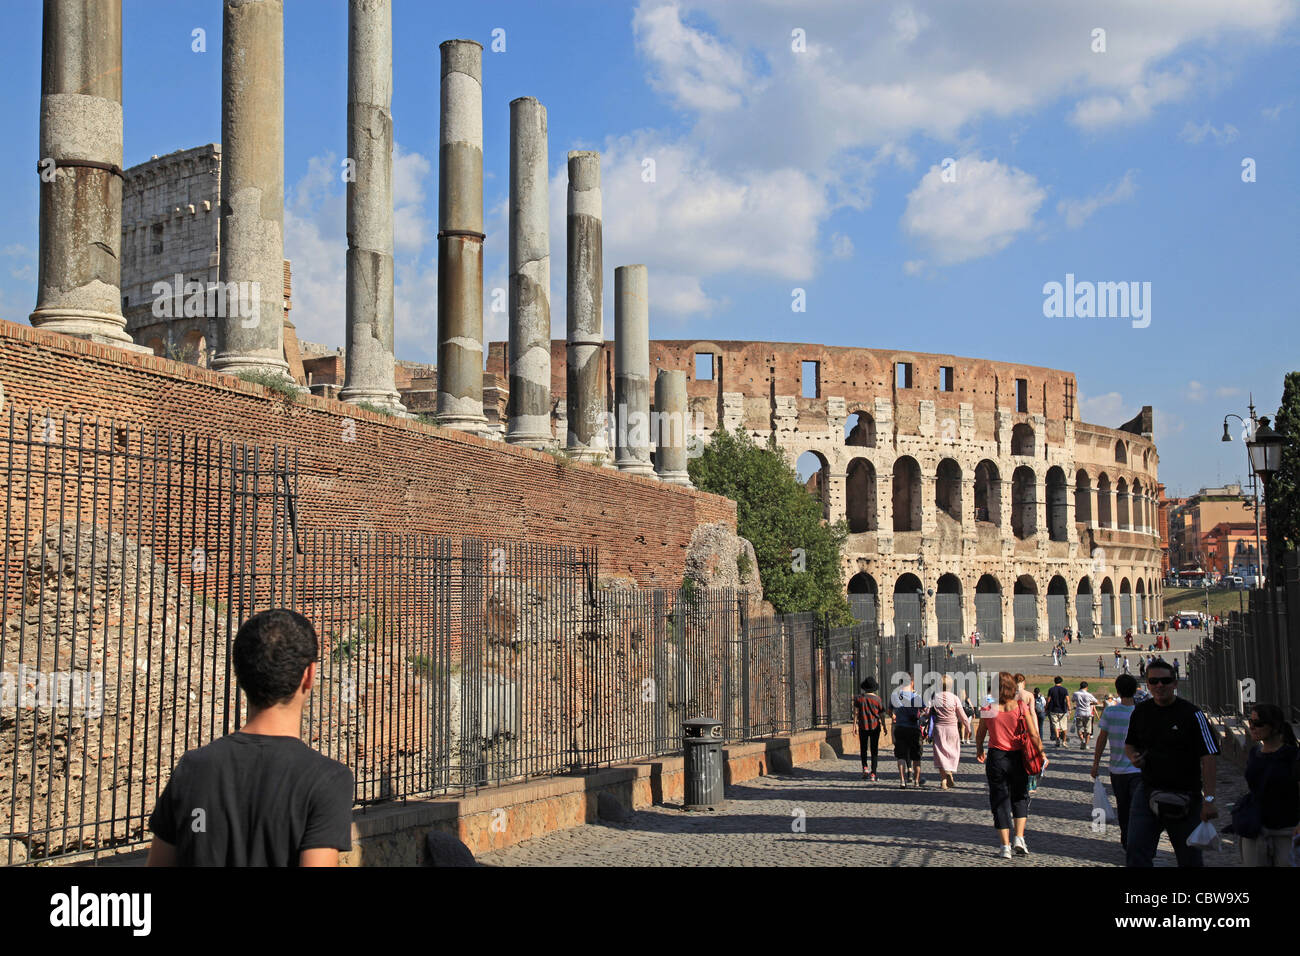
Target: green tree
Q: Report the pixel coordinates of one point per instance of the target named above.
(799, 555)
(1284, 487)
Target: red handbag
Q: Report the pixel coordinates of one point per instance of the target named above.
(1032, 757)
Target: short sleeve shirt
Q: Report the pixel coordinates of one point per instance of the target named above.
(1114, 720)
(906, 705)
(1058, 700)
(1173, 739)
(1083, 703)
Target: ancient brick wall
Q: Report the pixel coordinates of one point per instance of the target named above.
(364, 471)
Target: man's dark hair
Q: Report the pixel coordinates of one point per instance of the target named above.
(1126, 685)
(272, 649)
(1083, 684)
(1161, 662)
(1056, 680)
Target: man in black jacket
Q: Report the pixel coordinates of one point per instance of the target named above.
(1175, 747)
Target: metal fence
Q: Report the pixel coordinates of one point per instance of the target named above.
(1253, 657)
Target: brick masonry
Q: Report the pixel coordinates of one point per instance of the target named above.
(363, 471)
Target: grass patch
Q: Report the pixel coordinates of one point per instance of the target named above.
(377, 409)
(272, 380)
(1193, 599)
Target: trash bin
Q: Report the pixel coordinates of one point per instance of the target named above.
(702, 759)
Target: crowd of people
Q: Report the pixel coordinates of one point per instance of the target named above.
(1160, 751)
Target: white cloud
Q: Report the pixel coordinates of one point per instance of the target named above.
(1194, 391)
(1134, 104)
(1226, 391)
(1273, 112)
(694, 68)
(1195, 133)
(980, 213)
(1107, 409)
(1077, 211)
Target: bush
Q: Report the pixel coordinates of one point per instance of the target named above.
(776, 513)
(272, 380)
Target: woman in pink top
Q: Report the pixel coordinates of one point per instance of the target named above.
(1008, 782)
(948, 718)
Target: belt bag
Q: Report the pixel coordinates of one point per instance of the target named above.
(1170, 804)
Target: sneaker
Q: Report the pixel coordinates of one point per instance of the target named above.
(1005, 852)
(1021, 849)
(873, 778)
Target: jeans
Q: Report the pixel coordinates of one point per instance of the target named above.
(1123, 784)
(869, 740)
(1008, 787)
(1144, 831)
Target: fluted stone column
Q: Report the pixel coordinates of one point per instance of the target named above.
(632, 368)
(529, 407)
(370, 372)
(670, 407)
(251, 317)
(583, 319)
(78, 291)
(460, 238)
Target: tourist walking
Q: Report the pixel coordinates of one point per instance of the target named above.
(1267, 818)
(1117, 660)
(1084, 707)
(867, 711)
(1126, 664)
(1056, 657)
(948, 716)
(1040, 710)
(266, 797)
(968, 728)
(1058, 710)
(1176, 749)
(1101, 666)
(1113, 729)
(905, 728)
(1011, 735)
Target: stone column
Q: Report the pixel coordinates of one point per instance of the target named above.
(583, 319)
(670, 406)
(632, 368)
(529, 409)
(250, 303)
(370, 369)
(460, 239)
(79, 289)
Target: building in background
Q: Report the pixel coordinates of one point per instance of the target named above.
(1192, 521)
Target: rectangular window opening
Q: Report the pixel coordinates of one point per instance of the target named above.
(1022, 394)
(812, 379)
(946, 378)
(703, 366)
(903, 374)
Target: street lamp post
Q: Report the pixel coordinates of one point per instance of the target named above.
(1254, 485)
(1265, 450)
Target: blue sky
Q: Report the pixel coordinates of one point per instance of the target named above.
(817, 168)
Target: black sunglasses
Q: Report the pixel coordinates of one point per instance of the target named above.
(1161, 680)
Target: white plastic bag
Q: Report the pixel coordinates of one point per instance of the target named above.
(1100, 801)
(1205, 837)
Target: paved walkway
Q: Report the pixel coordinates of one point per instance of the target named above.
(1035, 657)
(850, 822)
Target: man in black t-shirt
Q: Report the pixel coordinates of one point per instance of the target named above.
(259, 796)
(1058, 710)
(1175, 747)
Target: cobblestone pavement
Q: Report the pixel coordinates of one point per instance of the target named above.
(1035, 657)
(851, 822)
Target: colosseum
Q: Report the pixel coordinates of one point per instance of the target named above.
(973, 494)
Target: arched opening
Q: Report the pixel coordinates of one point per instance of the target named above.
(1026, 608)
(947, 609)
(988, 608)
(1105, 518)
(1058, 606)
(1024, 509)
(907, 494)
(1141, 599)
(1125, 605)
(947, 489)
(862, 599)
(1083, 609)
(907, 606)
(1022, 440)
(1121, 452)
(1122, 505)
(988, 493)
(1139, 508)
(813, 473)
(1107, 607)
(1082, 497)
(1058, 509)
(860, 430)
(860, 496)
